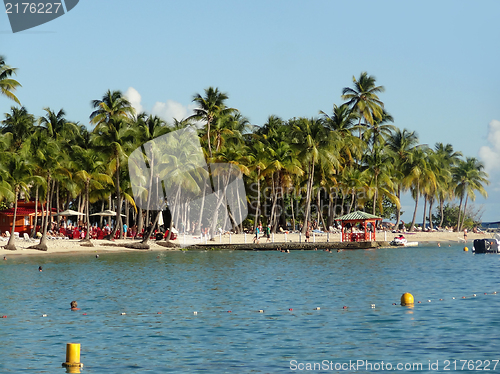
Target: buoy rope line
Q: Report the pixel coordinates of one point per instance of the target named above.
(404, 302)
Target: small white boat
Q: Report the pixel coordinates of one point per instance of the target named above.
(402, 242)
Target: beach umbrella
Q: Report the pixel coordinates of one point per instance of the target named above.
(69, 212)
(106, 213)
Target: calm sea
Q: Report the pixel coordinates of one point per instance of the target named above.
(159, 332)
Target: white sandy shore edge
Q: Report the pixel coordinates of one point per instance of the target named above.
(73, 246)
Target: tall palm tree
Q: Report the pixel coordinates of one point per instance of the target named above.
(417, 171)
(363, 99)
(343, 123)
(91, 171)
(401, 143)
(380, 130)
(7, 84)
(47, 156)
(380, 169)
(469, 177)
(115, 137)
(314, 144)
(111, 116)
(112, 105)
(210, 106)
(447, 158)
(20, 124)
(19, 175)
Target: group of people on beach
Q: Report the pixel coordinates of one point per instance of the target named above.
(259, 229)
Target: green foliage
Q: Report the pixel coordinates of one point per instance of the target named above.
(450, 214)
(390, 209)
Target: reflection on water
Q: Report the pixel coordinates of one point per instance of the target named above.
(137, 310)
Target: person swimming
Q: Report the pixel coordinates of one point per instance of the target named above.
(74, 305)
(39, 268)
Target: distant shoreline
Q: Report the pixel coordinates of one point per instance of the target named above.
(74, 247)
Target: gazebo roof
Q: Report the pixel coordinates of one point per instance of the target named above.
(358, 216)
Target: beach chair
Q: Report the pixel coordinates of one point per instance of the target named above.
(27, 238)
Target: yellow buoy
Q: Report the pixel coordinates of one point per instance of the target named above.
(73, 358)
(407, 299)
(466, 249)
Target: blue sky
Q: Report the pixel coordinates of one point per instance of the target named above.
(437, 60)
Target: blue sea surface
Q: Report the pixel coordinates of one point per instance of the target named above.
(159, 332)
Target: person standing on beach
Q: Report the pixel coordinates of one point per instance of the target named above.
(268, 233)
(465, 235)
(256, 238)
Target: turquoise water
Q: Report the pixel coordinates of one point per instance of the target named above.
(245, 341)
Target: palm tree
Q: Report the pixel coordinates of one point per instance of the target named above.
(314, 144)
(112, 105)
(20, 124)
(380, 130)
(7, 84)
(47, 156)
(363, 99)
(469, 177)
(417, 171)
(91, 167)
(209, 107)
(342, 123)
(447, 158)
(401, 144)
(380, 168)
(19, 176)
(113, 133)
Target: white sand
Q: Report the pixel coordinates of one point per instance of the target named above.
(73, 246)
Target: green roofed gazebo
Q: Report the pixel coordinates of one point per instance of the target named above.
(349, 221)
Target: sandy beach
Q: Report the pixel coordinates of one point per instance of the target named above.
(74, 246)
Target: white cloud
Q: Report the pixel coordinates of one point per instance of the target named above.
(135, 99)
(490, 155)
(172, 109)
(167, 111)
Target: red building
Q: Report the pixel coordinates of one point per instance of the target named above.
(25, 217)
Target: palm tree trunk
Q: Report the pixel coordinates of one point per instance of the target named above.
(431, 201)
(87, 212)
(257, 212)
(101, 217)
(200, 219)
(441, 209)
(398, 212)
(118, 218)
(308, 198)
(36, 213)
(459, 212)
(43, 241)
(465, 212)
(415, 211)
(11, 246)
(425, 212)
